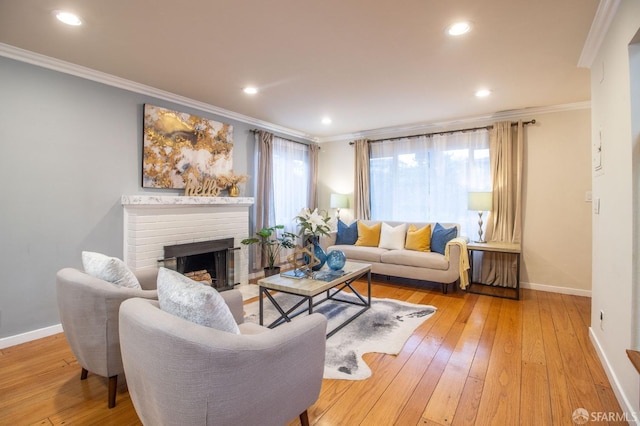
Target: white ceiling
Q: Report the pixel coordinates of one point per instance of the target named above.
(367, 64)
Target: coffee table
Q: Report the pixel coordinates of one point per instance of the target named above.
(308, 288)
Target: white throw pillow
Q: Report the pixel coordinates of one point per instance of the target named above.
(194, 301)
(109, 269)
(392, 238)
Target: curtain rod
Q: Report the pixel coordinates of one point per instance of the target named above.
(288, 140)
(446, 132)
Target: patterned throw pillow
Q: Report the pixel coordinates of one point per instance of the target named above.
(194, 301)
(392, 238)
(347, 235)
(441, 236)
(368, 236)
(418, 239)
(110, 269)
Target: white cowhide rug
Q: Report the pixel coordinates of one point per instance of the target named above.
(383, 328)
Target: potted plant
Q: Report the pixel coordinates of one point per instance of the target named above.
(271, 245)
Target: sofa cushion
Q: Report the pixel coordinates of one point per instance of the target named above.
(441, 236)
(347, 234)
(110, 269)
(418, 259)
(418, 239)
(368, 236)
(362, 253)
(392, 237)
(194, 301)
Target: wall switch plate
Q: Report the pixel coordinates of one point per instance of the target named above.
(587, 196)
(596, 205)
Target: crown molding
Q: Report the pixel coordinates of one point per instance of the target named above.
(452, 124)
(599, 27)
(43, 61)
(48, 62)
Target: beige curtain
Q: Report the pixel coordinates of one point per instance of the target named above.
(362, 195)
(504, 224)
(313, 176)
(264, 194)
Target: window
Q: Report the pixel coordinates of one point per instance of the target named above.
(427, 178)
(290, 181)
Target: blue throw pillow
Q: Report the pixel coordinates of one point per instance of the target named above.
(347, 235)
(441, 236)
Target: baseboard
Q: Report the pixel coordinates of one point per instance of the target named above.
(556, 289)
(624, 402)
(5, 342)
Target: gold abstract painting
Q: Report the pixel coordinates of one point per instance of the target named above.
(179, 147)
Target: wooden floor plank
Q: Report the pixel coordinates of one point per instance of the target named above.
(500, 400)
(446, 396)
(402, 387)
(532, 342)
(485, 346)
(610, 406)
(561, 406)
(469, 402)
(535, 405)
(413, 410)
(582, 334)
(582, 391)
(533, 363)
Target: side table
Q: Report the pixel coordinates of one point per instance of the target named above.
(495, 247)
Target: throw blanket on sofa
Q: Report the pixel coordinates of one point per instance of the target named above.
(464, 260)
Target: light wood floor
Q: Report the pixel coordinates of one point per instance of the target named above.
(478, 360)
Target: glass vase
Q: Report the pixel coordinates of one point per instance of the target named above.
(317, 251)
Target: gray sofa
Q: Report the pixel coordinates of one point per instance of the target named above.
(426, 266)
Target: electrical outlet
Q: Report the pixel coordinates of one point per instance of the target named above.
(602, 320)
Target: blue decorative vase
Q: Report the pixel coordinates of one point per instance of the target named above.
(318, 252)
(336, 259)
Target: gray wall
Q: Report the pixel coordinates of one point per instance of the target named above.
(70, 149)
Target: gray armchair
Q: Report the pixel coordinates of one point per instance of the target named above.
(181, 373)
(89, 314)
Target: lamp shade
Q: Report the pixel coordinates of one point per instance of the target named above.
(480, 201)
(339, 201)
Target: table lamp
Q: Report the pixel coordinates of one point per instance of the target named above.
(339, 201)
(481, 202)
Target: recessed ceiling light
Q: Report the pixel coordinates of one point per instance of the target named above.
(250, 90)
(459, 28)
(326, 120)
(67, 18)
(483, 93)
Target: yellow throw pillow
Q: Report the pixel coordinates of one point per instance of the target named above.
(368, 235)
(418, 239)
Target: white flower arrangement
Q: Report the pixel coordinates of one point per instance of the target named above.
(313, 223)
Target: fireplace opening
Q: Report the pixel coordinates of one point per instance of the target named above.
(206, 261)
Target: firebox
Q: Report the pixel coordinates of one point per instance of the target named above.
(208, 261)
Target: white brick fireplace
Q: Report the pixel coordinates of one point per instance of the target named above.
(153, 222)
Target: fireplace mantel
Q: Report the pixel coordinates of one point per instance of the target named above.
(173, 200)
